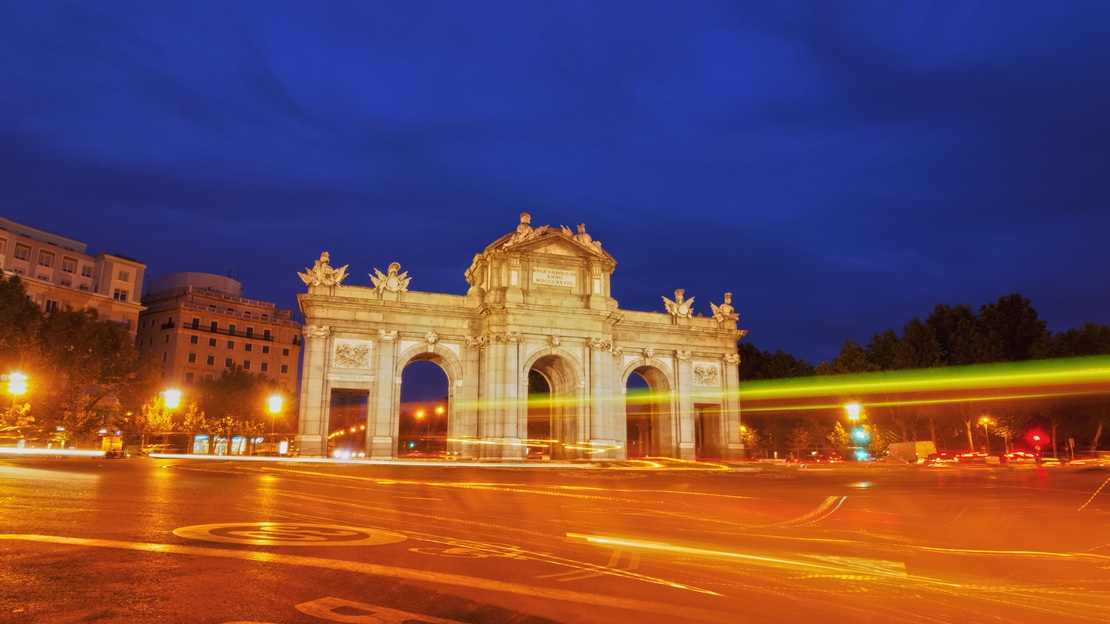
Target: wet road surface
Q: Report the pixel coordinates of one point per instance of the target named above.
(198, 541)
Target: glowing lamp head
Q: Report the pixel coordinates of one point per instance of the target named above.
(853, 410)
(986, 420)
(439, 409)
(419, 413)
(172, 397)
(274, 404)
(859, 433)
(17, 384)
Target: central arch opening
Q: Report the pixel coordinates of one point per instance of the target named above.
(552, 409)
(425, 402)
(649, 429)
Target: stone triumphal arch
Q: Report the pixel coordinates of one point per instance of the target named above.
(538, 301)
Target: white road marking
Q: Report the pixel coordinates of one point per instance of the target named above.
(288, 534)
(394, 572)
(324, 608)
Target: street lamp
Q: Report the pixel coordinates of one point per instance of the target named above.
(986, 422)
(853, 410)
(274, 405)
(17, 385)
(173, 398)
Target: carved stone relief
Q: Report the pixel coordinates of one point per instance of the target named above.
(648, 353)
(387, 335)
(682, 355)
(732, 358)
(351, 354)
(707, 374)
(431, 337)
(316, 331)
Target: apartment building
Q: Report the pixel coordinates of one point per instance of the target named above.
(58, 272)
(199, 324)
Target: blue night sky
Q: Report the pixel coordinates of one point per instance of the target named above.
(840, 167)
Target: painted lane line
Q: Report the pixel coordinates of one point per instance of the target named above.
(1094, 495)
(408, 574)
(288, 534)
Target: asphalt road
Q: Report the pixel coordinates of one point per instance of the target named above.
(142, 540)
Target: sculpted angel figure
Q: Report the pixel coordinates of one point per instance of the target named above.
(393, 282)
(680, 308)
(524, 231)
(322, 274)
(725, 311)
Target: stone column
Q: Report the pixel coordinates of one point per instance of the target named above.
(684, 402)
(315, 404)
(598, 402)
(732, 443)
(381, 441)
(501, 424)
(463, 434)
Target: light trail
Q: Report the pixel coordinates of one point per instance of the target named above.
(1055, 372)
(49, 452)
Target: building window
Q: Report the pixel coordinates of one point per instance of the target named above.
(51, 305)
(228, 363)
(250, 332)
(86, 271)
(22, 252)
(247, 314)
(266, 334)
(214, 327)
(67, 283)
(119, 295)
(285, 352)
(265, 367)
(230, 330)
(167, 339)
(211, 342)
(265, 316)
(124, 276)
(230, 344)
(246, 364)
(3, 246)
(284, 368)
(188, 378)
(196, 323)
(248, 347)
(265, 348)
(46, 259)
(192, 358)
(44, 277)
(211, 360)
(194, 339)
(164, 357)
(69, 265)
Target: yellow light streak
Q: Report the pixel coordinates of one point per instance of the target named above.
(15, 450)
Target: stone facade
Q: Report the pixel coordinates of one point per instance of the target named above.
(539, 300)
(58, 273)
(199, 324)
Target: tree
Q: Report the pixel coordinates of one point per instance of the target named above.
(839, 439)
(82, 360)
(19, 321)
(1009, 331)
(1090, 339)
(955, 331)
(798, 439)
(918, 348)
(852, 360)
(880, 351)
(756, 364)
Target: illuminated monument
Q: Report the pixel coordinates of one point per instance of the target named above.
(538, 301)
